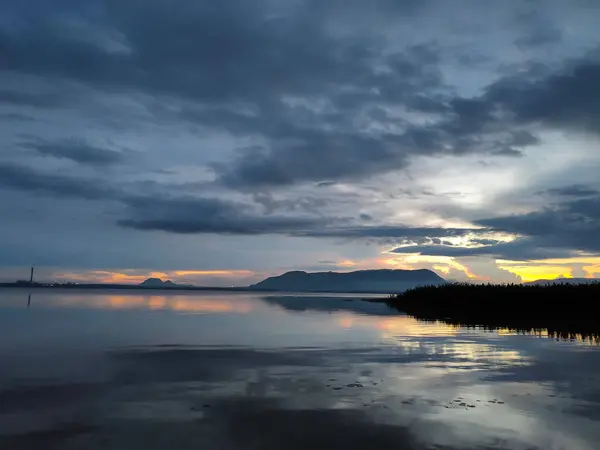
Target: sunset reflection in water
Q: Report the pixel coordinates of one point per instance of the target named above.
(331, 354)
(179, 303)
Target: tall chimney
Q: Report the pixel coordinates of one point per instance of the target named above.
(31, 276)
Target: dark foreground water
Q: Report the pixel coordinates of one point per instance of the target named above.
(155, 370)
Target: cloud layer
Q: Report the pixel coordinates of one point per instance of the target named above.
(422, 127)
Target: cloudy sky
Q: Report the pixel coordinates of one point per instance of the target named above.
(217, 142)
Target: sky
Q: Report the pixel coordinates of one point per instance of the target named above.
(217, 143)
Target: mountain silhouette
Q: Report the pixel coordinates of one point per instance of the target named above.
(385, 281)
(157, 283)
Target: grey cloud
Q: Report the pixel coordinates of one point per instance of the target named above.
(317, 92)
(485, 241)
(523, 138)
(76, 150)
(513, 144)
(189, 215)
(570, 98)
(202, 215)
(536, 26)
(305, 203)
(557, 231)
(23, 178)
(326, 183)
(539, 37)
(574, 190)
(315, 156)
(183, 215)
(17, 117)
(259, 53)
(254, 53)
(571, 225)
(28, 99)
(507, 151)
(519, 250)
(198, 49)
(388, 231)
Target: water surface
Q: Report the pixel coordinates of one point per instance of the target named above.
(156, 369)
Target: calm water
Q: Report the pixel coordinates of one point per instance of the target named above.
(153, 370)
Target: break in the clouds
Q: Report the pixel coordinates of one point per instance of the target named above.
(203, 135)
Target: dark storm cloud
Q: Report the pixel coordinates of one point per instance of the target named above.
(573, 225)
(197, 215)
(515, 142)
(205, 50)
(76, 150)
(181, 215)
(523, 138)
(521, 249)
(578, 215)
(383, 231)
(539, 37)
(28, 99)
(205, 215)
(317, 155)
(261, 54)
(569, 225)
(258, 54)
(558, 231)
(16, 117)
(305, 203)
(323, 97)
(574, 190)
(535, 26)
(25, 179)
(568, 99)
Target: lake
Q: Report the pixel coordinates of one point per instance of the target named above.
(219, 370)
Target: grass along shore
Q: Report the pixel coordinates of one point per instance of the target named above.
(569, 311)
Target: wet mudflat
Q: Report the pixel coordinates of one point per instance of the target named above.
(153, 370)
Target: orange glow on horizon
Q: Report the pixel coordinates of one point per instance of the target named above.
(212, 273)
(549, 269)
(442, 264)
(542, 272)
(136, 277)
(582, 266)
(347, 263)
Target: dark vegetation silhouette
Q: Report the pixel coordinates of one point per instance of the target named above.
(563, 311)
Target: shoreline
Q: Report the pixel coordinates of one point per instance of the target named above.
(565, 311)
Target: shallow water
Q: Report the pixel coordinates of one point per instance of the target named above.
(153, 370)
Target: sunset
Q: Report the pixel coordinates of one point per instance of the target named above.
(299, 224)
(468, 133)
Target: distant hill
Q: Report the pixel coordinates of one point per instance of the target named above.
(563, 280)
(384, 281)
(157, 283)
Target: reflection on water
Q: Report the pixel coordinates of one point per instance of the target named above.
(159, 302)
(119, 370)
(350, 312)
(559, 331)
